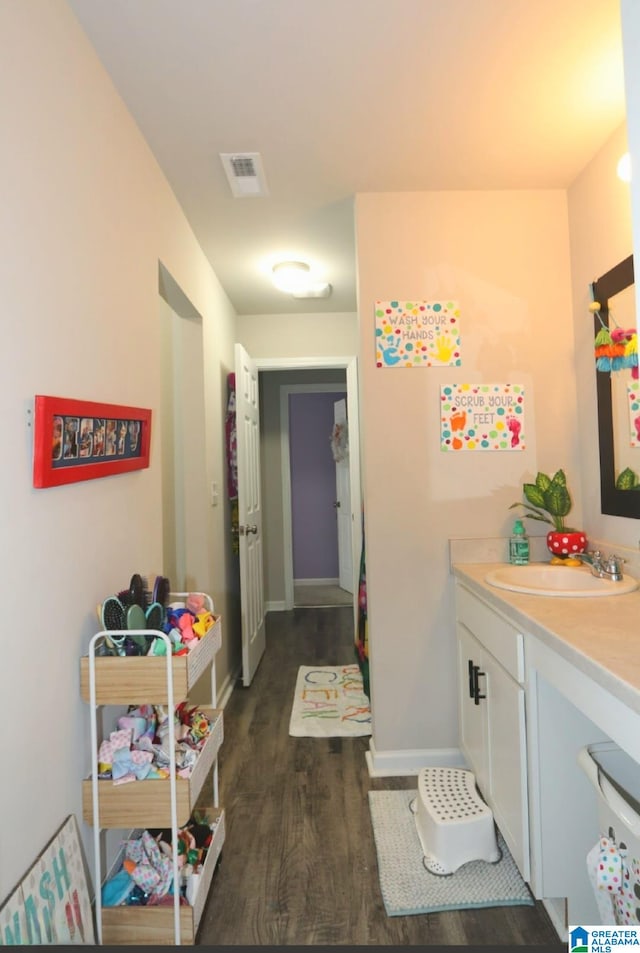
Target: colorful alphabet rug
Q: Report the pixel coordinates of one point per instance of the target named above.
(329, 702)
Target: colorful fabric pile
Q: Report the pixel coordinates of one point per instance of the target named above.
(146, 875)
(139, 748)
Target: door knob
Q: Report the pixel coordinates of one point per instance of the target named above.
(246, 530)
(337, 504)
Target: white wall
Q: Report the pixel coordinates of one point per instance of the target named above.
(522, 296)
(502, 255)
(600, 228)
(86, 218)
(299, 335)
(630, 18)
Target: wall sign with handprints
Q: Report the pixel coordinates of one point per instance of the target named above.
(417, 333)
(482, 417)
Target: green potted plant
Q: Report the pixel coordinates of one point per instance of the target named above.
(628, 480)
(548, 500)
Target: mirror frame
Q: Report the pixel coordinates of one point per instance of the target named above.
(613, 502)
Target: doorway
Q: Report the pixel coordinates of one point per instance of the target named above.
(278, 577)
(316, 535)
(184, 492)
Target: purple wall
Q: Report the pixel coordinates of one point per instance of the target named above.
(313, 486)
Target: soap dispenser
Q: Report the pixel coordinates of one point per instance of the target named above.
(519, 545)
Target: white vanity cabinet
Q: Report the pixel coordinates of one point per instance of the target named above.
(576, 664)
(491, 705)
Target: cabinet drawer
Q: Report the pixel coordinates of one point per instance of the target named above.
(504, 642)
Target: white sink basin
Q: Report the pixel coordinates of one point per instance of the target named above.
(543, 579)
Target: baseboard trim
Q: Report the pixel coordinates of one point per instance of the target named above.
(226, 689)
(556, 907)
(316, 582)
(279, 606)
(383, 764)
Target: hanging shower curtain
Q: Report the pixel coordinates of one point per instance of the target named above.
(362, 633)
(232, 460)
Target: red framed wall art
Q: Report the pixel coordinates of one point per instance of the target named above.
(78, 440)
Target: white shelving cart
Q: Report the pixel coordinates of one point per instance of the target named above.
(158, 680)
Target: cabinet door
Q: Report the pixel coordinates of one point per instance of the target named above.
(507, 791)
(473, 727)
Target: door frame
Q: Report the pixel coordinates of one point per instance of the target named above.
(285, 457)
(342, 475)
(350, 364)
(183, 496)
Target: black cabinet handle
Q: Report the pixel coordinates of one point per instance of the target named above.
(472, 681)
(476, 688)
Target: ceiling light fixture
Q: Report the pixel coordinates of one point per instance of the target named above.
(291, 276)
(624, 168)
(319, 289)
(295, 278)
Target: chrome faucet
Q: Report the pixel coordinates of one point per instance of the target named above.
(606, 567)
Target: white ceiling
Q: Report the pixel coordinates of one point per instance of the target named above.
(347, 96)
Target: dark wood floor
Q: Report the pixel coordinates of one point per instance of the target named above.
(298, 866)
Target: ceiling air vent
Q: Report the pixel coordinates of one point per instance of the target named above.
(245, 174)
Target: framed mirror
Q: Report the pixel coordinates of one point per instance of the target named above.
(618, 422)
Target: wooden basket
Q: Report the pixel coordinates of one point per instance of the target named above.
(139, 679)
(137, 926)
(148, 803)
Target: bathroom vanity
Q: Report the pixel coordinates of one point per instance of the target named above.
(540, 677)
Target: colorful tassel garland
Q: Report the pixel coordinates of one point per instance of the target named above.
(631, 355)
(615, 350)
(603, 346)
(627, 341)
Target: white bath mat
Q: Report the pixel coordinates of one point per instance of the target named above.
(408, 887)
(329, 702)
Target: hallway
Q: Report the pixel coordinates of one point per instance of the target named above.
(299, 866)
(320, 595)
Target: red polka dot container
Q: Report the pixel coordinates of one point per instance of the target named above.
(566, 544)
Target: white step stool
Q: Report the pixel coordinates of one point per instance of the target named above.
(454, 824)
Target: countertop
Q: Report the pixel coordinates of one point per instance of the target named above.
(599, 636)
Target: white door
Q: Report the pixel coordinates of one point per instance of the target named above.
(353, 415)
(249, 514)
(343, 500)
